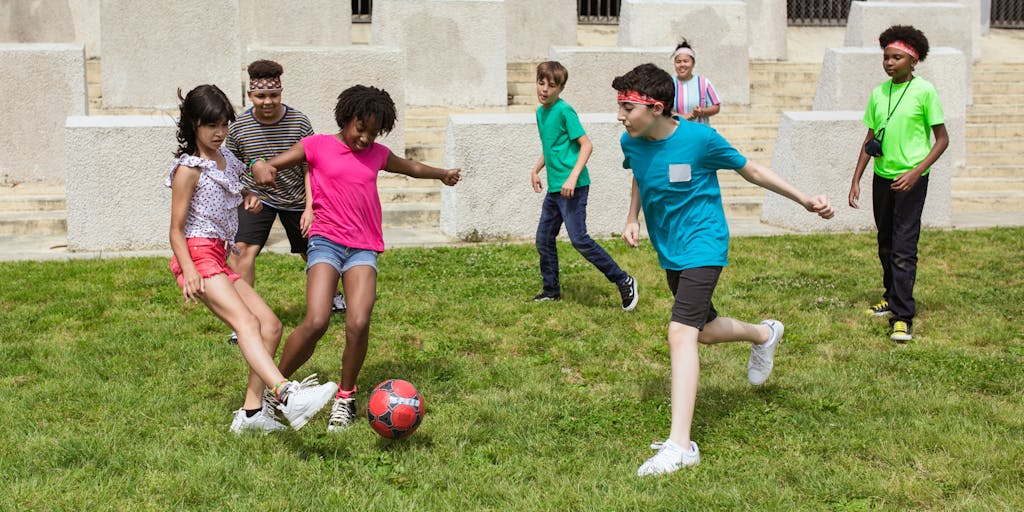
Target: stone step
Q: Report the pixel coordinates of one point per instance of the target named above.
(425, 153)
(992, 87)
(410, 194)
(995, 130)
(972, 201)
(993, 159)
(992, 145)
(997, 109)
(37, 222)
(1008, 99)
(405, 215)
(987, 116)
(977, 168)
(32, 203)
(986, 184)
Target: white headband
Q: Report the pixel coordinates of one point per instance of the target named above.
(684, 51)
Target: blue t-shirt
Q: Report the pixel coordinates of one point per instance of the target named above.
(678, 182)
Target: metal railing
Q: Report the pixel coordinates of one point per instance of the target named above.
(361, 10)
(1007, 14)
(817, 13)
(598, 12)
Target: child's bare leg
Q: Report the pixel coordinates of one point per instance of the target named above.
(360, 283)
(223, 299)
(682, 346)
(270, 332)
(321, 286)
(723, 329)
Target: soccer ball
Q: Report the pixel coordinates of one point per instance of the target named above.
(395, 409)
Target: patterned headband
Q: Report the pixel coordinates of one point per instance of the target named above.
(638, 98)
(903, 47)
(265, 84)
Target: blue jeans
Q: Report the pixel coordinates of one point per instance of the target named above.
(573, 212)
(898, 219)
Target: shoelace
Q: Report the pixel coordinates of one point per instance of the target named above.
(341, 414)
(657, 445)
(270, 401)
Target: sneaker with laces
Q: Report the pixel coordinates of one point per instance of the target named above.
(260, 422)
(880, 309)
(338, 304)
(628, 291)
(343, 414)
(762, 357)
(670, 457)
(545, 297)
(233, 338)
(270, 401)
(900, 332)
(303, 402)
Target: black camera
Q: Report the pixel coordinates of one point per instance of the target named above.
(873, 147)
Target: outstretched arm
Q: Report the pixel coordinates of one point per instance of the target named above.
(766, 178)
(266, 172)
(415, 169)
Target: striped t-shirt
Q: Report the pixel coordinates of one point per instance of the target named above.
(250, 139)
(688, 96)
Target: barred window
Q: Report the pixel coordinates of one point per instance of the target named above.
(1007, 14)
(361, 10)
(819, 13)
(598, 12)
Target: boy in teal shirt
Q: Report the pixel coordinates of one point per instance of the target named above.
(566, 149)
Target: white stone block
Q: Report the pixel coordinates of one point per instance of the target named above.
(592, 69)
(717, 30)
(150, 51)
(455, 49)
(37, 21)
(943, 23)
(494, 200)
(315, 76)
(296, 23)
(767, 19)
(43, 84)
(536, 25)
(115, 168)
(816, 152)
(978, 19)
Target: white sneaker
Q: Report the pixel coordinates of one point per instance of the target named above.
(270, 402)
(303, 402)
(762, 357)
(343, 414)
(260, 422)
(338, 304)
(233, 338)
(670, 457)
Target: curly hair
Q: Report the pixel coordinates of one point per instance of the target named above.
(365, 102)
(684, 44)
(202, 105)
(650, 80)
(908, 34)
(264, 69)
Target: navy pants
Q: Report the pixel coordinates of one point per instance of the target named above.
(555, 211)
(898, 219)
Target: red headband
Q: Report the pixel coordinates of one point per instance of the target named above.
(638, 98)
(903, 47)
(265, 84)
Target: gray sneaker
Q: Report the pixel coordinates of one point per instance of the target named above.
(670, 457)
(261, 422)
(762, 357)
(343, 414)
(303, 402)
(338, 304)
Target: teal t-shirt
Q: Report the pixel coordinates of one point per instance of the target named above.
(559, 128)
(678, 182)
(908, 134)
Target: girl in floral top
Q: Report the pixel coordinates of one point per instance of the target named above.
(205, 195)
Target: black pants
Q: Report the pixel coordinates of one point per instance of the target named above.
(898, 219)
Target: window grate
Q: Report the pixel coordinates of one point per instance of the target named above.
(598, 12)
(817, 13)
(361, 10)
(1007, 14)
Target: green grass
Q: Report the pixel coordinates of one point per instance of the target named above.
(117, 396)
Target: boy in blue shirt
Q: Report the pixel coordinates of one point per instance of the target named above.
(675, 178)
(566, 149)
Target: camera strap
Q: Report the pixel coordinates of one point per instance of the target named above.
(893, 108)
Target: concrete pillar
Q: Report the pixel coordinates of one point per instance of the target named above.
(767, 19)
(302, 23)
(716, 29)
(455, 49)
(185, 44)
(310, 89)
(592, 69)
(536, 25)
(42, 84)
(115, 168)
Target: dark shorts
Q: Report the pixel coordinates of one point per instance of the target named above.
(254, 228)
(693, 288)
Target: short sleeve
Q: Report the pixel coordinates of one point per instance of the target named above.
(933, 114)
(711, 95)
(232, 143)
(573, 127)
(309, 147)
(869, 113)
(720, 154)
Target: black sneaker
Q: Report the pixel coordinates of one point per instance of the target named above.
(545, 297)
(629, 293)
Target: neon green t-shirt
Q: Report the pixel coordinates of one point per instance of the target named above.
(908, 134)
(560, 128)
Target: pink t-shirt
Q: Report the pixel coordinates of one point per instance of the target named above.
(344, 189)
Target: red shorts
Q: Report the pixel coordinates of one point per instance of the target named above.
(209, 255)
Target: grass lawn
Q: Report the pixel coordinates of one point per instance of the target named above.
(118, 396)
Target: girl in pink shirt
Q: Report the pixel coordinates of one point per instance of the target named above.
(343, 222)
(205, 195)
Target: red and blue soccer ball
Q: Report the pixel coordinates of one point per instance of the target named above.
(395, 409)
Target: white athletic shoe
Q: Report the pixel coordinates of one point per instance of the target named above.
(338, 304)
(260, 422)
(762, 357)
(303, 402)
(670, 457)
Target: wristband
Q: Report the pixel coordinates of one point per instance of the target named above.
(254, 160)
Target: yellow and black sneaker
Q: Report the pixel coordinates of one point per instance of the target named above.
(900, 332)
(880, 309)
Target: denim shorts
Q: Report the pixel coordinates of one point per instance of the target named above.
(323, 250)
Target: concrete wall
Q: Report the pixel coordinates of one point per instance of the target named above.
(536, 25)
(144, 70)
(43, 84)
(494, 200)
(944, 23)
(716, 29)
(37, 21)
(304, 23)
(315, 76)
(127, 207)
(980, 18)
(455, 49)
(592, 69)
(817, 153)
(767, 19)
